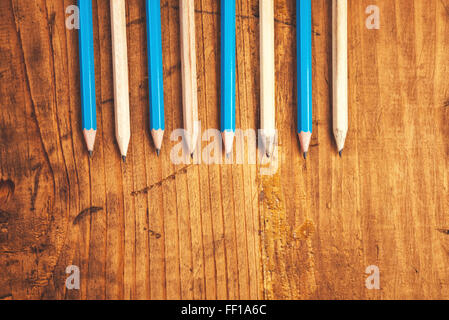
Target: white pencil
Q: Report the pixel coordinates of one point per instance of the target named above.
(188, 63)
(340, 71)
(120, 69)
(267, 73)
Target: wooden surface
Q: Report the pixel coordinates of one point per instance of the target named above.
(153, 230)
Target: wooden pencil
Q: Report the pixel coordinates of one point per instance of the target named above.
(267, 76)
(189, 84)
(87, 76)
(120, 71)
(304, 72)
(340, 71)
(228, 69)
(155, 72)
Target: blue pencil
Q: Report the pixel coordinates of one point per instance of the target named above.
(87, 67)
(228, 74)
(304, 64)
(155, 72)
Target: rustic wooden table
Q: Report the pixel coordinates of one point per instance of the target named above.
(154, 230)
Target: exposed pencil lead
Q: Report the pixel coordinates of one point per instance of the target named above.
(192, 155)
(91, 153)
(305, 155)
(124, 159)
(268, 155)
(158, 152)
(228, 155)
(340, 152)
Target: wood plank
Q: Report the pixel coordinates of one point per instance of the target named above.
(153, 229)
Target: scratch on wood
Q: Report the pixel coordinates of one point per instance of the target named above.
(51, 23)
(136, 21)
(173, 69)
(152, 233)
(86, 212)
(107, 101)
(159, 184)
(35, 188)
(446, 104)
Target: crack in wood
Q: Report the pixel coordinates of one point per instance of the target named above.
(85, 213)
(136, 22)
(35, 188)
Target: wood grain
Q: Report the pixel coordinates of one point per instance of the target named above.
(151, 229)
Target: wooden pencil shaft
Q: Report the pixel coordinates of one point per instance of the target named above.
(267, 67)
(189, 75)
(340, 64)
(120, 73)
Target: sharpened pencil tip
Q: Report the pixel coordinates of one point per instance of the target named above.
(91, 153)
(305, 155)
(192, 155)
(158, 152)
(124, 159)
(340, 152)
(228, 155)
(268, 155)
